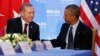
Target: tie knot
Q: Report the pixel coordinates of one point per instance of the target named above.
(25, 28)
(71, 27)
(26, 24)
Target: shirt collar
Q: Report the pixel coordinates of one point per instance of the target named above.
(23, 21)
(75, 25)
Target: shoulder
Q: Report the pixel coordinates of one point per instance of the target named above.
(34, 24)
(84, 27)
(65, 25)
(13, 20)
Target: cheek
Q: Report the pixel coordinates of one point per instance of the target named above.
(26, 17)
(29, 18)
(65, 17)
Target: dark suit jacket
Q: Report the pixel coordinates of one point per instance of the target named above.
(14, 25)
(82, 40)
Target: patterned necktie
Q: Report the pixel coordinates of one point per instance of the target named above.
(70, 39)
(25, 28)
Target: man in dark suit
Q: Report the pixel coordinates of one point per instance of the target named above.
(81, 34)
(24, 24)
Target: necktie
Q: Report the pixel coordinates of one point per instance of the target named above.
(70, 39)
(25, 28)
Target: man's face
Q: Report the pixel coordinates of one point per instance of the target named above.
(68, 17)
(27, 14)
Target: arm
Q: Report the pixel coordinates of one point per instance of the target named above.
(37, 35)
(60, 41)
(87, 41)
(34, 32)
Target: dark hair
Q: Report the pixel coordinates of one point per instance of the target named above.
(23, 6)
(74, 10)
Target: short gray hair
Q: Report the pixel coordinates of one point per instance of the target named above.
(23, 6)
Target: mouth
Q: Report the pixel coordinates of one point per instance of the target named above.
(66, 20)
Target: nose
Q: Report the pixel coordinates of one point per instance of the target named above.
(32, 15)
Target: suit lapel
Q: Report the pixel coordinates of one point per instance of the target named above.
(65, 30)
(19, 25)
(31, 28)
(77, 38)
(78, 30)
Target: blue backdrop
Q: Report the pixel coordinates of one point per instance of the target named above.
(49, 16)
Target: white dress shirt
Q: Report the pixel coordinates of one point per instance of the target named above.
(73, 31)
(23, 25)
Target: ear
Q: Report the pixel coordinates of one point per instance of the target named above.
(21, 13)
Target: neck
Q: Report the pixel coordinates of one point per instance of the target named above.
(75, 21)
(25, 21)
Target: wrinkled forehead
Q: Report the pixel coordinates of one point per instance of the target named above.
(28, 8)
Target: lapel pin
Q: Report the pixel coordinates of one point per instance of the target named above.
(31, 26)
(78, 33)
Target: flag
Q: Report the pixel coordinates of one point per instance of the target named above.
(9, 9)
(90, 15)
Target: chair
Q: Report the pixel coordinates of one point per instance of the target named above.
(93, 41)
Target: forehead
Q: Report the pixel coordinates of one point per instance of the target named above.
(28, 8)
(67, 11)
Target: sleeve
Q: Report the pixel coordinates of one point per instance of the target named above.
(58, 42)
(87, 43)
(38, 33)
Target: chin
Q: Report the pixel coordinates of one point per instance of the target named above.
(30, 21)
(67, 22)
